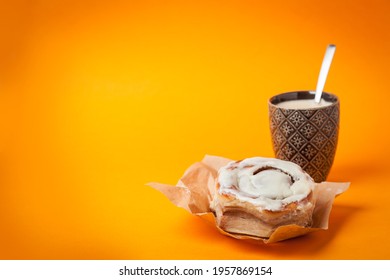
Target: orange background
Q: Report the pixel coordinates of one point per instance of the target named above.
(97, 99)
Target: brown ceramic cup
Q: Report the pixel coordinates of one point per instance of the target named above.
(307, 137)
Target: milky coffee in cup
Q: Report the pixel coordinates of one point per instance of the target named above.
(305, 132)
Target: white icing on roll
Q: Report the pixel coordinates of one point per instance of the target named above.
(267, 183)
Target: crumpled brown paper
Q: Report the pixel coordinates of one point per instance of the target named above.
(196, 188)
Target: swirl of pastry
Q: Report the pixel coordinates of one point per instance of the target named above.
(256, 195)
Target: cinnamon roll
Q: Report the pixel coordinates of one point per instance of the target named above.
(256, 195)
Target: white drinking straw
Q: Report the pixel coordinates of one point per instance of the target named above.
(324, 71)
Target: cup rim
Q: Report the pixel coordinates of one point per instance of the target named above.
(302, 94)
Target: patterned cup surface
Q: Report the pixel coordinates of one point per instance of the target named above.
(307, 137)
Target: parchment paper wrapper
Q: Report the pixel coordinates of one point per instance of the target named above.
(196, 188)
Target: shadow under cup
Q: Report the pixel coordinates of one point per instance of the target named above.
(307, 137)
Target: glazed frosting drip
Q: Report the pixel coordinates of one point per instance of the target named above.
(265, 182)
